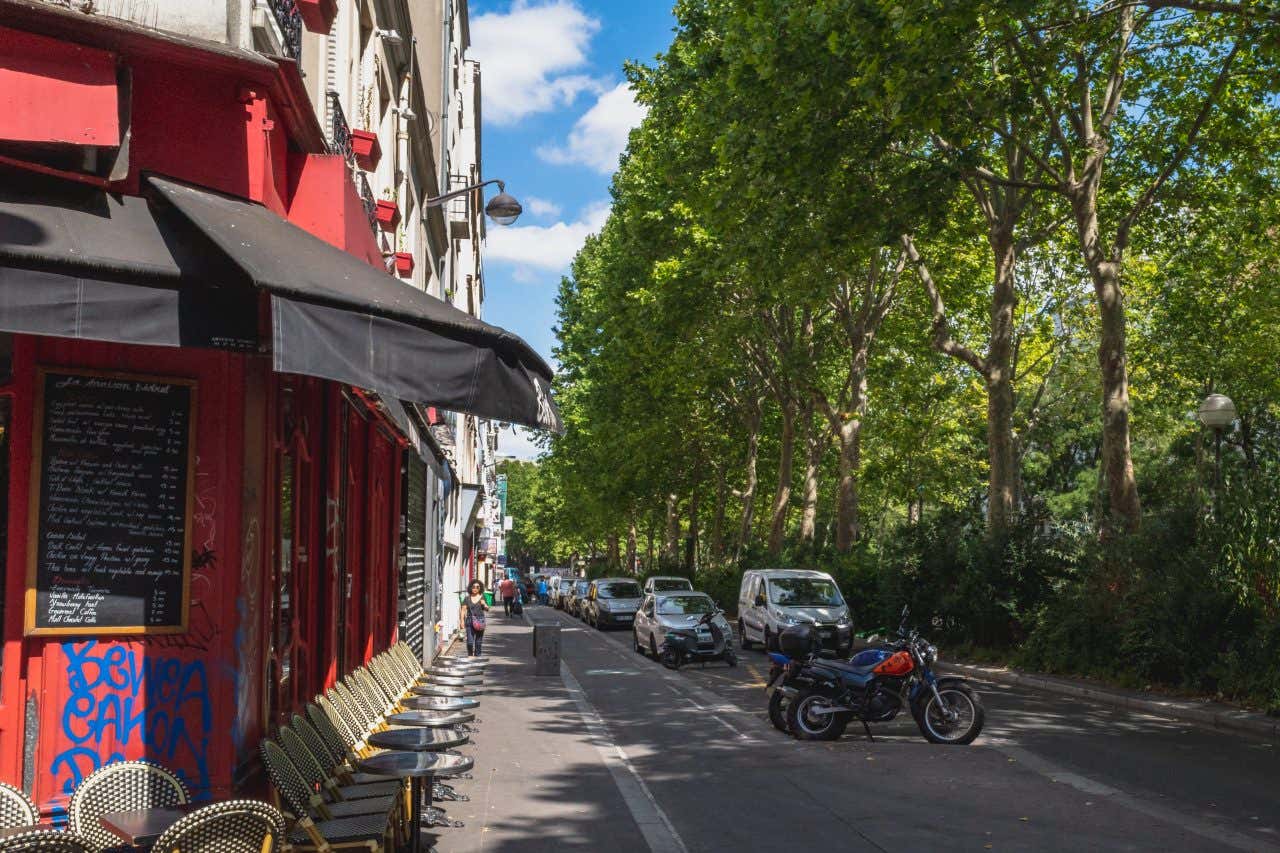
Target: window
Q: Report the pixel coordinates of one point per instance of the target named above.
(685, 605)
(804, 592)
(618, 589)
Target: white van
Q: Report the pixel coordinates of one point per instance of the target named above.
(772, 599)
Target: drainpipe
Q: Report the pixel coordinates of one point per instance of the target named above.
(402, 148)
(446, 42)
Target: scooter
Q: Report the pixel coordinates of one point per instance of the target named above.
(705, 641)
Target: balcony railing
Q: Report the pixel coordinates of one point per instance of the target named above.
(367, 201)
(290, 21)
(339, 130)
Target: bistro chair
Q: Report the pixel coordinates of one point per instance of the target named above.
(358, 715)
(318, 778)
(340, 721)
(121, 787)
(332, 733)
(375, 697)
(16, 808)
(236, 826)
(388, 682)
(325, 830)
(46, 840)
(333, 766)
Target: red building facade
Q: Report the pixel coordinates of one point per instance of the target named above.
(293, 531)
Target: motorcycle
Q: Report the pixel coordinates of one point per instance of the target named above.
(875, 685)
(702, 642)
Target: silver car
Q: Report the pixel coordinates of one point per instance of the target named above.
(667, 611)
(611, 602)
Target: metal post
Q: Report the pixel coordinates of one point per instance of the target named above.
(1217, 473)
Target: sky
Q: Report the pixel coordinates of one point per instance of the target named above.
(555, 113)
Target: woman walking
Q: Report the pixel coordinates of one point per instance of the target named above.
(473, 616)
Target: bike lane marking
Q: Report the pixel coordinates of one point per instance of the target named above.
(1061, 775)
(658, 831)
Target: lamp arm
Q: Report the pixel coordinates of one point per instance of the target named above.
(441, 199)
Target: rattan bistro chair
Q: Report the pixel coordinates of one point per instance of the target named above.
(236, 826)
(121, 787)
(45, 841)
(370, 794)
(333, 765)
(330, 728)
(16, 808)
(343, 722)
(314, 829)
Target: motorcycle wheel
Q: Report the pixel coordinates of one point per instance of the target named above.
(670, 659)
(778, 711)
(806, 726)
(730, 658)
(969, 716)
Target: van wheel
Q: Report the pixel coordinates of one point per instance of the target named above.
(743, 642)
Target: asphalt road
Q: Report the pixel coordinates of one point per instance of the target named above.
(699, 767)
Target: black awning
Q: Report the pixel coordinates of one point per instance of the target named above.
(335, 316)
(78, 262)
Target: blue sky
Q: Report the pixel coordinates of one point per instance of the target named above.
(556, 112)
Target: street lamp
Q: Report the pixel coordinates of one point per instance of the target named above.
(1217, 412)
(502, 208)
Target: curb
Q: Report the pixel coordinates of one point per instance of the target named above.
(1216, 717)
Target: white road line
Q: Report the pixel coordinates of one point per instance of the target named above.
(1203, 828)
(655, 826)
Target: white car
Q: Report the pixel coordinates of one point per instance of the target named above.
(667, 583)
(773, 599)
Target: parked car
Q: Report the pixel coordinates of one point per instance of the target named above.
(773, 599)
(612, 602)
(662, 612)
(577, 595)
(560, 587)
(666, 583)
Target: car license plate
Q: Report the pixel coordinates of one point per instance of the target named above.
(625, 617)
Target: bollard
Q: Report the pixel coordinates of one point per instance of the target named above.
(546, 649)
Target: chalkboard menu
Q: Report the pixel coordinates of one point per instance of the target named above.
(112, 485)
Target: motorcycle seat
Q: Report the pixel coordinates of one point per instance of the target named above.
(852, 669)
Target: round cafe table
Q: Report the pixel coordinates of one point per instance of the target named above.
(431, 719)
(418, 739)
(431, 690)
(451, 680)
(415, 766)
(453, 671)
(440, 703)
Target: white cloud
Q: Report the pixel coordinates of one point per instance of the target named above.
(519, 444)
(547, 247)
(526, 56)
(600, 135)
(540, 206)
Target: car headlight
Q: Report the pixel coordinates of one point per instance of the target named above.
(844, 621)
(785, 618)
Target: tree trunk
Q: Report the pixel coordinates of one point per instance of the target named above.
(849, 438)
(814, 446)
(649, 557)
(717, 517)
(631, 546)
(671, 541)
(782, 494)
(748, 494)
(611, 546)
(691, 539)
(1002, 479)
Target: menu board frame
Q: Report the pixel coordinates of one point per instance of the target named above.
(34, 508)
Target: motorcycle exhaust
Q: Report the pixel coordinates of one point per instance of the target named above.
(829, 709)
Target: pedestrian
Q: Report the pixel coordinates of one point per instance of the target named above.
(543, 592)
(507, 589)
(473, 616)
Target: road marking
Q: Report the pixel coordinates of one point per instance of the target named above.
(1057, 773)
(658, 831)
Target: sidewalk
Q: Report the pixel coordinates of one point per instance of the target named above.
(540, 784)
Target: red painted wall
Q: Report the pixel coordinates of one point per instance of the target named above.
(57, 93)
(169, 698)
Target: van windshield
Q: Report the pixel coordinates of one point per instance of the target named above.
(804, 592)
(667, 584)
(580, 588)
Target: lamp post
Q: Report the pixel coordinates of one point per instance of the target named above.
(1217, 412)
(502, 208)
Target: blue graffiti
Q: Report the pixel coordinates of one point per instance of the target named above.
(119, 698)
